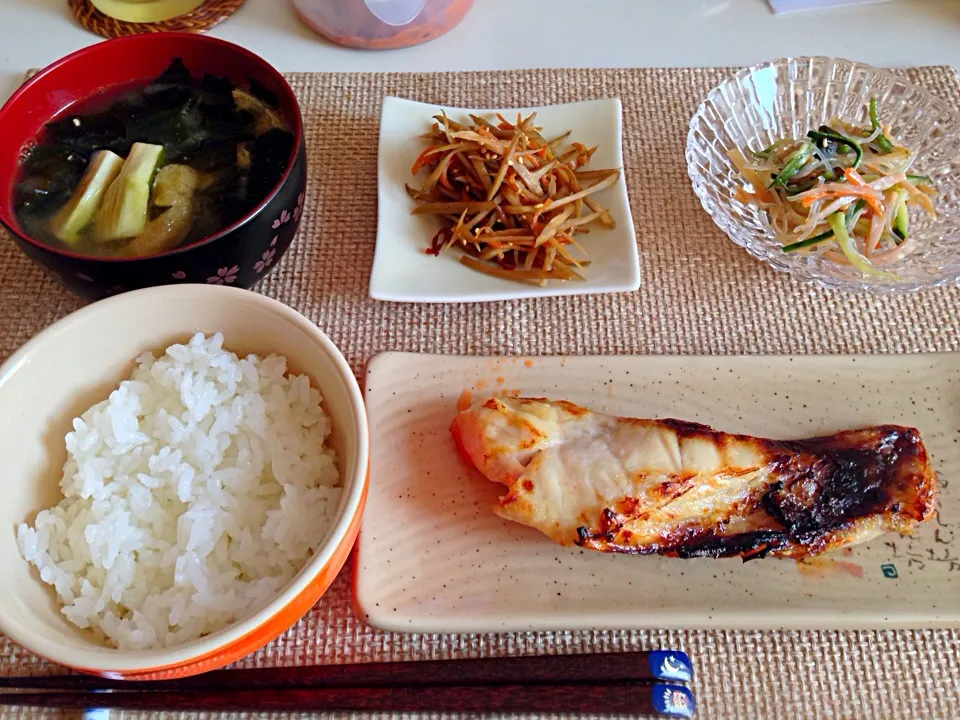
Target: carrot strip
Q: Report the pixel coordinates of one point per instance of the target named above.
(423, 159)
(833, 190)
(866, 209)
(854, 177)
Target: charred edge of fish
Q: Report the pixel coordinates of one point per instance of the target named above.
(604, 543)
(602, 539)
(748, 546)
(837, 484)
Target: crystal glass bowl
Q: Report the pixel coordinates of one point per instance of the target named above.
(787, 97)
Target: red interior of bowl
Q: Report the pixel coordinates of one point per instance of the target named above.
(138, 58)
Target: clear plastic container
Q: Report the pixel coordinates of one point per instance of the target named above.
(381, 24)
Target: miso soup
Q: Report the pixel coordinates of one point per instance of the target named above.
(142, 170)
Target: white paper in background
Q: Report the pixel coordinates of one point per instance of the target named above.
(788, 6)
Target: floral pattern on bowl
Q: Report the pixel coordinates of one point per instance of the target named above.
(224, 276)
(266, 260)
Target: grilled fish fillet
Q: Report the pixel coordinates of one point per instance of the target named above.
(685, 490)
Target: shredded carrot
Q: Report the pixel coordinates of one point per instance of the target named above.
(840, 192)
(423, 159)
(854, 177)
(833, 190)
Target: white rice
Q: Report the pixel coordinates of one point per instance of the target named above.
(191, 497)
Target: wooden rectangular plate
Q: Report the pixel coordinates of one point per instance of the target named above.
(432, 556)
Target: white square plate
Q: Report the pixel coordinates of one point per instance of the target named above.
(403, 272)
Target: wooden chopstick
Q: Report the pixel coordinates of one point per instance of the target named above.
(607, 698)
(671, 666)
(606, 683)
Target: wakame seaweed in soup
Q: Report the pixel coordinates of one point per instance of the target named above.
(143, 170)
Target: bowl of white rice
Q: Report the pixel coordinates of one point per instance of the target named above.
(185, 470)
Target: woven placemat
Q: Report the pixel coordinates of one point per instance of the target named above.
(206, 17)
(700, 294)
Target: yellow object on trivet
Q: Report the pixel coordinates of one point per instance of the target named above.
(145, 11)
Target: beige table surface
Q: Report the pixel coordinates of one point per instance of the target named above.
(700, 294)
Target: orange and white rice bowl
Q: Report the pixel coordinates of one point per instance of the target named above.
(185, 474)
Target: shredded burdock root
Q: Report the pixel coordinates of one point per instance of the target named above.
(842, 192)
(512, 201)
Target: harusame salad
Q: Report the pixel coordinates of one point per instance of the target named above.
(842, 191)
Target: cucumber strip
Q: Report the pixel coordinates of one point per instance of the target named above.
(123, 213)
(73, 217)
(795, 161)
(838, 224)
(815, 240)
(882, 142)
(825, 134)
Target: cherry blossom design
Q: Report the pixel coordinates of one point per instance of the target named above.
(282, 220)
(224, 276)
(299, 208)
(179, 275)
(273, 243)
(266, 260)
(84, 277)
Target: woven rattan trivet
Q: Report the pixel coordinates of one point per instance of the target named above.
(700, 294)
(210, 14)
